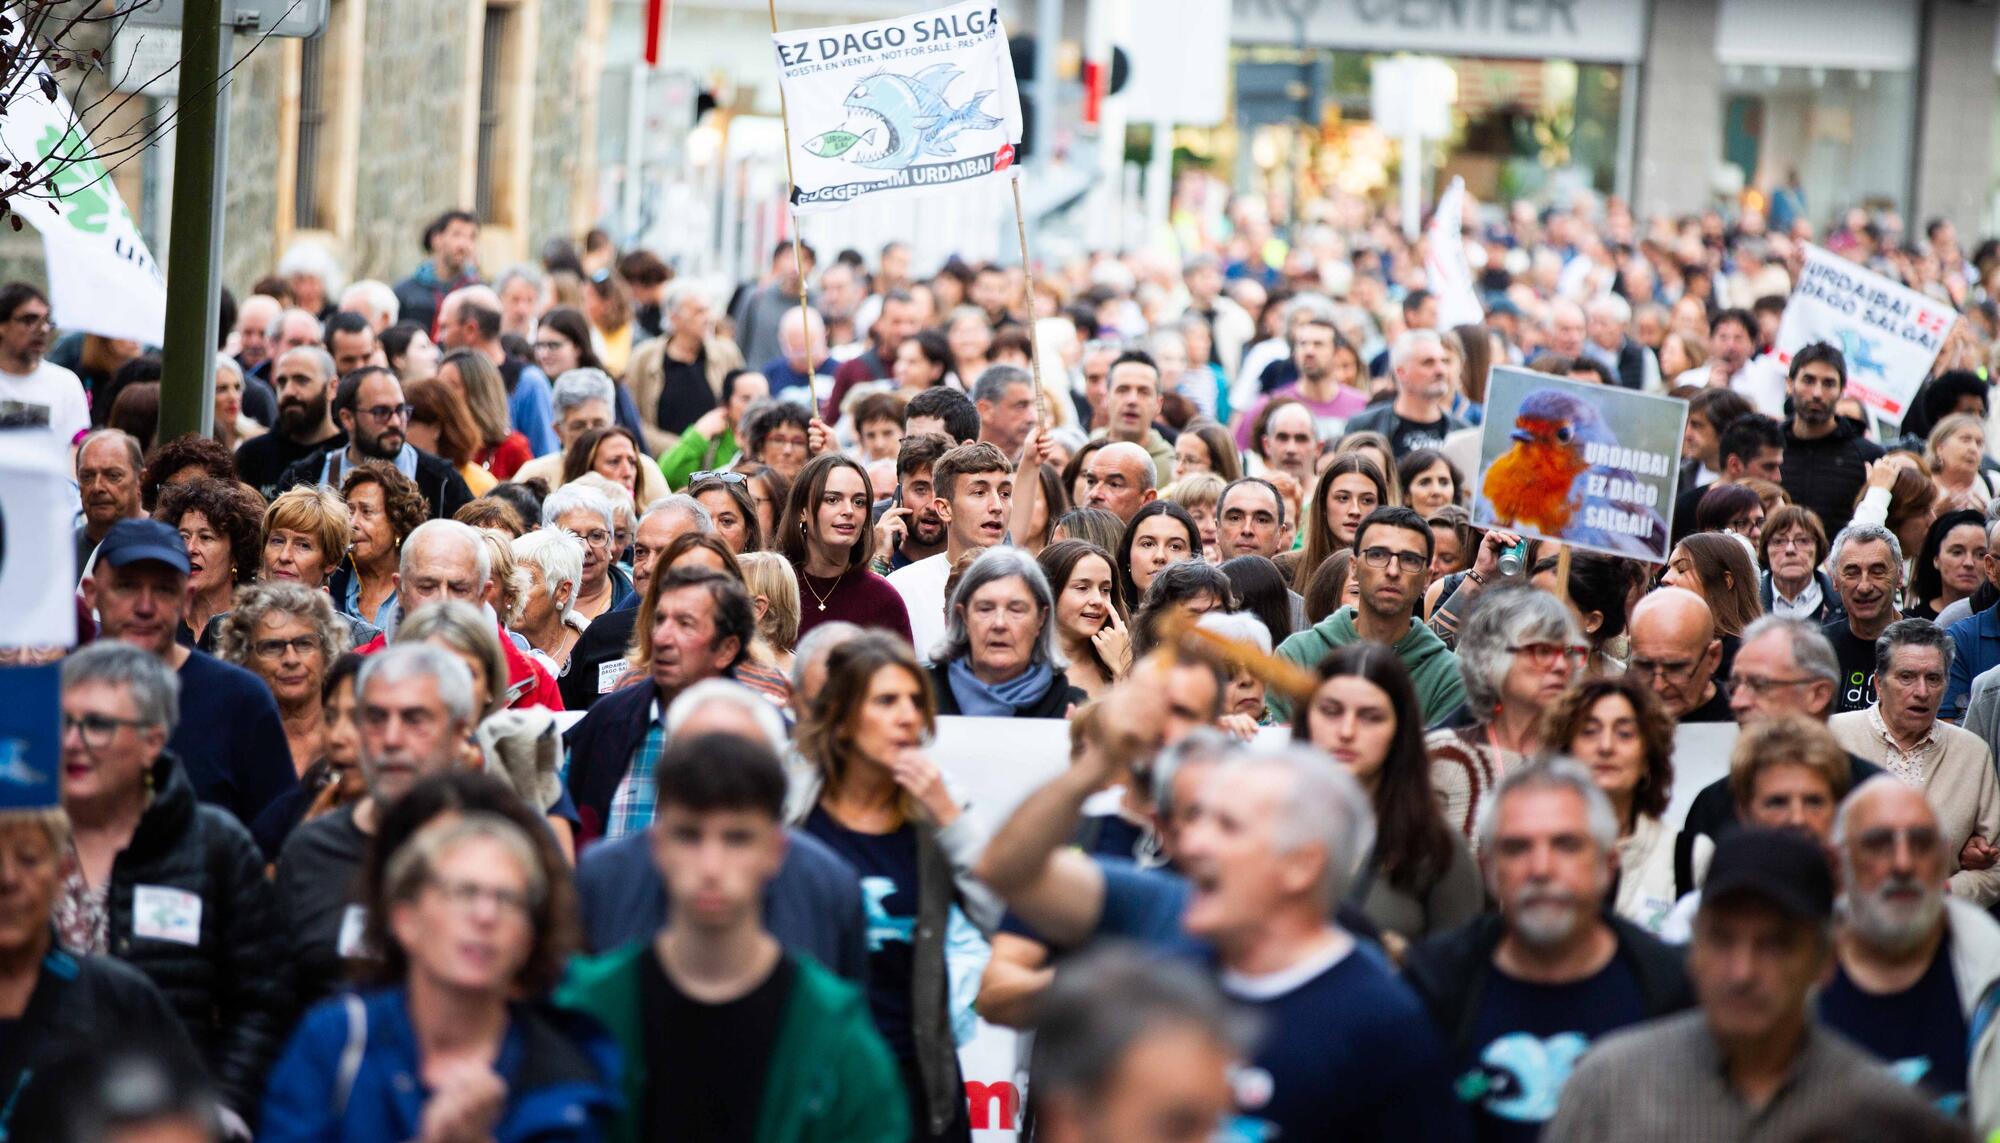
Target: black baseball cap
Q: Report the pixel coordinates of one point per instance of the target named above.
(1786, 868)
(135, 541)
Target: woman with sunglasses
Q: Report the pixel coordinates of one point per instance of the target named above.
(1517, 655)
(727, 497)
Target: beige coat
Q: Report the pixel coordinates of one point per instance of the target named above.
(645, 375)
(1960, 786)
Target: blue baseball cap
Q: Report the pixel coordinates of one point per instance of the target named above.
(135, 541)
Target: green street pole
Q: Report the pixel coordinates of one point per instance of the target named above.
(187, 402)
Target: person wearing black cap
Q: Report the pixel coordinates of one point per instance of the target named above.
(229, 735)
(1754, 1063)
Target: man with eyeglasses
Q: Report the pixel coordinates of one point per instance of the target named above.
(1392, 559)
(1902, 734)
(414, 709)
(228, 735)
(1675, 652)
(1915, 965)
(369, 407)
(1867, 574)
(597, 663)
(34, 393)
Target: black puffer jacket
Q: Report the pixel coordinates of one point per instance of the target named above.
(232, 988)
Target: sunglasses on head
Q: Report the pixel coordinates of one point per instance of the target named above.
(721, 475)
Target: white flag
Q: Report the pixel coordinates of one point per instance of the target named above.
(916, 103)
(1445, 267)
(1888, 334)
(102, 278)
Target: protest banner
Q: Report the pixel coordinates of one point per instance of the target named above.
(1890, 335)
(102, 277)
(30, 736)
(37, 544)
(1445, 267)
(915, 103)
(1591, 466)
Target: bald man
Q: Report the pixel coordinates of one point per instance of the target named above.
(1119, 479)
(1675, 651)
(469, 318)
(799, 348)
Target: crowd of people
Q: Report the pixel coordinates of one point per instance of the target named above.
(1364, 829)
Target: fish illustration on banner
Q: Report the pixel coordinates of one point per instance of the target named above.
(1889, 334)
(914, 103)
(1581, 464)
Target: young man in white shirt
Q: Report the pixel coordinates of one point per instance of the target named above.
(36, 394)
(974, 486)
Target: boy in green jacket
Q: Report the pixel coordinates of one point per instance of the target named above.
(725, 1035)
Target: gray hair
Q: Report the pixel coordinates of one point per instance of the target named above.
(682, 502)
(730, 693)
(277, 327)
(1507, 615)
(559, 555)
(1326, 807)
(576, 386)
(1106, 1003)
(276, 597)
(1811, 652)
(1203, 744)
(134, 451)
(379, 299)
(570, 498)
(1611, 306)
(447, 530)
(1407, 344)
(1912, 633)
(1149, 473)
(1864, 533)
(317, 354)
(999, 563)
(520, 272)
(680, 290)
(310, 256)
(155, 690)
(1552, 773)
(993, 384)
(1240, 626)
(815, 645)
(403, 662)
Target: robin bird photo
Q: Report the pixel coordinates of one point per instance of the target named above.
(1547, 482)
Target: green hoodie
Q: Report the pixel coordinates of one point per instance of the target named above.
(1432, 665)
(830, 1079)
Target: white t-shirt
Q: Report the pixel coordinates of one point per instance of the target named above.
(921, 584)
(51, 398)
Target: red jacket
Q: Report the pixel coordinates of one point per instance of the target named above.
(528, 682)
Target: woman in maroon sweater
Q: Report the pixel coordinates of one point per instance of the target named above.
(827, 534)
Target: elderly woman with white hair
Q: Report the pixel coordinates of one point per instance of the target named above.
(1518, 654)
(553, 560)
(587, 514)
(1000, 656)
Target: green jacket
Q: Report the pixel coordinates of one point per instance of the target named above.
(696, 453)
(831, 1079)
(1432, 665)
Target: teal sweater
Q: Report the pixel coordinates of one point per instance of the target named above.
(830, 1079)
(1432, 665)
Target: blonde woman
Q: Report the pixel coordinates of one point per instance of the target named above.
(1954, 451)
(1200, 493)
(774, 594)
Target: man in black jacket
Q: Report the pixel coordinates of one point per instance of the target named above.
(1826, 458)
(304, 379)
(1520, 996)
(369, 407)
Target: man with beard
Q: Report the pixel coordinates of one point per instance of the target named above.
(1419, 417)
(369, 407)
(1330, 402)
(304, 379)
(1826, 458)
(1914, 965)
(1519, 996)
(1867, 572)
(108, 465)
(907, 525)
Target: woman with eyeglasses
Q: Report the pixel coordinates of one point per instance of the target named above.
(1617, 728)
(587, 513)
(1791, 549)
(287, 635)
(1517, 654)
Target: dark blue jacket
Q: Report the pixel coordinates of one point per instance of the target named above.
(560, 1069)
(813, 906)
(1975, 648)
(600, 749)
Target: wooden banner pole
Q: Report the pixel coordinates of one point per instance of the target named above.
(1042, 415)
(798, 235)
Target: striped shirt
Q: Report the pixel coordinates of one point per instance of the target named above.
(1666, 1082)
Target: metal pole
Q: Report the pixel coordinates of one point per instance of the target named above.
(1048, 38)
(1413, 183)
(194, 283)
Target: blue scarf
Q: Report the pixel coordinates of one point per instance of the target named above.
(976, 698)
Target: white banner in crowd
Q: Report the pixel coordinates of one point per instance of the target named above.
(1445, 267)
(922, 102)
(37, 556)
(1890, 335)
(102, 278)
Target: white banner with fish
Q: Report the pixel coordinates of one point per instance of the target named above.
(1888, 334)
(1591, 466)
(912, 104)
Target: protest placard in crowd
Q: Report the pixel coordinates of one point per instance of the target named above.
(1587, 465)
(37, 562)
(1445, 264)
(919, 102)
(1890, 335)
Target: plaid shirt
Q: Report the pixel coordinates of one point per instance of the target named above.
(632, 804)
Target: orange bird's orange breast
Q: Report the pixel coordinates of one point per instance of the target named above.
(1530, 484)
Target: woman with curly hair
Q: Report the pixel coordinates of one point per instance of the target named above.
(384, 507)
(222, 524)
(287, 635)
(1617, 728)
(180, 460)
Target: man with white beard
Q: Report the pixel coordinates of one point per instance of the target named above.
(1520, 995)
(1919, 969)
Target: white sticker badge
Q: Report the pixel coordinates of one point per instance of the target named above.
(353, 943)
(163, 913)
